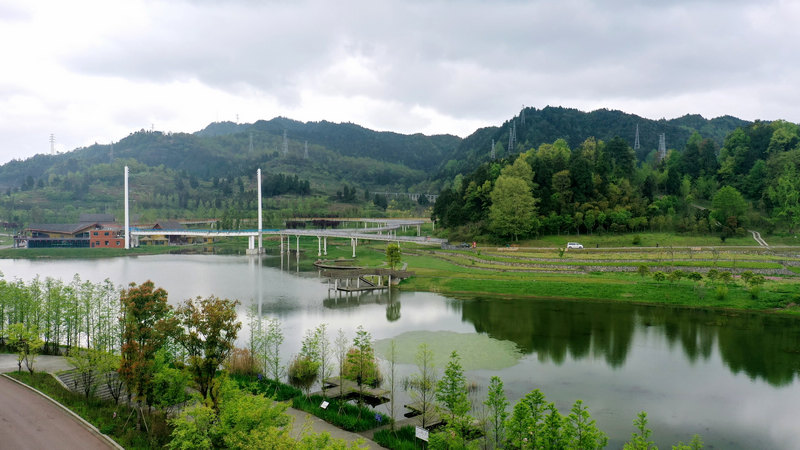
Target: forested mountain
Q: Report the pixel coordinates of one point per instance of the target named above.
(533, 127)
(204, 173)
(753, 180)
(211, 172)
(347, 152)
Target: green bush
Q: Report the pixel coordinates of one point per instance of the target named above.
(271, 388)
(659, 276)
(342, 414)
(400, 439)
(694, 276)
(721, 292)
(637, 240)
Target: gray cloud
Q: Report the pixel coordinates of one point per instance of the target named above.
(465, 61)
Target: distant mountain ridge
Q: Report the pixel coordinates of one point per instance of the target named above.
(534, 127)
(348, 152)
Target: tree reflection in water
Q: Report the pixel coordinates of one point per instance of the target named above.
(763, 346)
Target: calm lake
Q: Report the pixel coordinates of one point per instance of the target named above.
(730, 377)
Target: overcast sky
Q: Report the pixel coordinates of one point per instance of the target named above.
(95, 71)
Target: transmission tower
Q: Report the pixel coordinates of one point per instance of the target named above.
(512, 137)
(251, 142)
(636, 145)
(52, 144)
(662, 146)
(492, 152)
(285, 144)
(305, 152)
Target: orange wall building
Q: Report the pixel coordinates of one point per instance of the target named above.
(105, 239)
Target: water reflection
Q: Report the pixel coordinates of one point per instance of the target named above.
(337, 300)
(763, 346)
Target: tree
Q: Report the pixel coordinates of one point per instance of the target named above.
(340, 348)
(107, 366)
(582, 431)
(86, 362)
(380, 201)
(304, 369)
(393, 254)
(361, 365)
(392, 375)
(146, 326)
(451, 394)
(526, 425)
(785, 195)
(497, 403)
(324, 352)
(640, 440)
(26, 342)
(513, 210)
(210, 327)
(727, 203)
(423, 383)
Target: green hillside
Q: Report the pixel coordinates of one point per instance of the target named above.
(541, 126)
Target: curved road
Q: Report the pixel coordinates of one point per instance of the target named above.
(30, 421)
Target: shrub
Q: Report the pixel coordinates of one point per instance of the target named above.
(659, 276)
(721, 292)
(342, 414)
(270, 388)
(746, 276)
(303, 372)
(400, 439)
(694, 276)
(712, 274)
(241, 362)
(676, 275)
(637, 240)
(643, 270)
(756, 280)
(725, 277)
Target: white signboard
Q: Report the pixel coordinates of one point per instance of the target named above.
(421, 433)
(324, 405)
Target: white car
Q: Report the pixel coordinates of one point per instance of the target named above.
(574, 245)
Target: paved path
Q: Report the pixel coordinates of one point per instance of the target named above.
(43, 363)
(30, 421)
(303, 421)
(757, 237)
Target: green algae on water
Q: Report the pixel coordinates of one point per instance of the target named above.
(477, 351)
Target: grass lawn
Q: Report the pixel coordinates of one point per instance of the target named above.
(520, 274)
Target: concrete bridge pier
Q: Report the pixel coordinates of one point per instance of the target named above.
(319, 246)
(354, 242)
(325, 245)
(281, 237)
